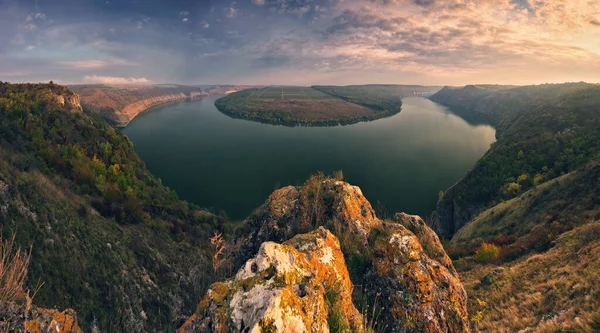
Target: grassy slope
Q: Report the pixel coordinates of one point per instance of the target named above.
(556, 291)
(549, 241)
(569, 200)
(108, 238)
(543, 132)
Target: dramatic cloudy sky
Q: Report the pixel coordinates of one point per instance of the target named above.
(300, 41)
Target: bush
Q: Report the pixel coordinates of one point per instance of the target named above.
(487, 252)
(13, 270)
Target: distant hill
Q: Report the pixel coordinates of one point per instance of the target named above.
(121, 103)
(227, 89)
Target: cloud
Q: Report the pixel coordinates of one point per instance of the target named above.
(94, 64)
(310, 41)
(231, 12)
(115, 80)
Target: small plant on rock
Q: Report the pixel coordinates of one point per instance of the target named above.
(219, 245)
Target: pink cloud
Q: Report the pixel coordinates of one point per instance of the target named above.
(115, 80)
(93, 64)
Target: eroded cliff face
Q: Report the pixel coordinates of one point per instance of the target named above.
(19, 319)
(129, 111)
(121, 104)
(398, 266)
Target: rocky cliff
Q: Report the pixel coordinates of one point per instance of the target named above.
(131, 110)
(16, 318)
(68, 101)
(404, 277)
(121, 104)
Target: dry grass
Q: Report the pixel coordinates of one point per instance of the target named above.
(219, 244)
(555, 291)
(14, 265)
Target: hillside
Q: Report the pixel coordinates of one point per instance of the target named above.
(541, 275)
(524, 220)
(554, 291)
(120, 104)
(108, 239)
(543, 132)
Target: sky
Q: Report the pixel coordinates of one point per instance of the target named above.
(300, 42)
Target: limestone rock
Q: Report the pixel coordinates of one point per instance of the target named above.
(296, 286)
(285, 209)
(16, 318)
(69, 101)
(427, 237)
(420, 293)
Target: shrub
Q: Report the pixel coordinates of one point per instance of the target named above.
(14, 265)
(487, 252)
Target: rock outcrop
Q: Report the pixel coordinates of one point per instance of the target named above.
(398, 266)
(301, 285)
(419, 293)
(60, 97)
(427, 237)
(16, 318)
(70, 102)
(290, 210)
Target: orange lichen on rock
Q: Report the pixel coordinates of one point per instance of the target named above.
(284, 287)
(15, 318)
(421, 292)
